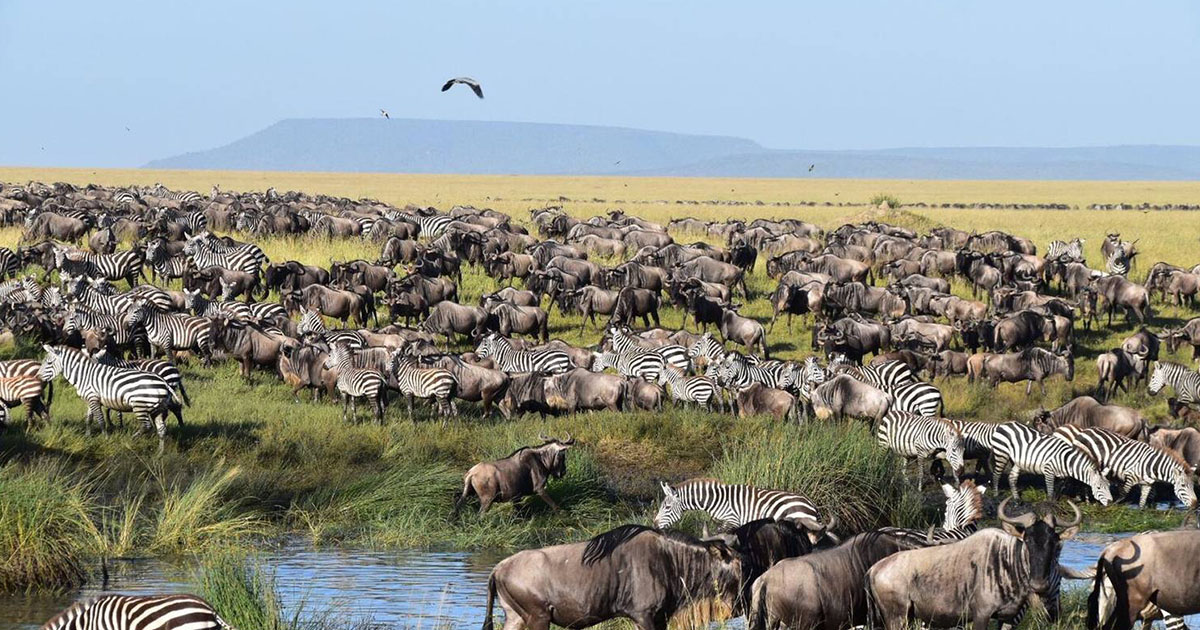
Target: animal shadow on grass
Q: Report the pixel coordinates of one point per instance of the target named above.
(241, 432)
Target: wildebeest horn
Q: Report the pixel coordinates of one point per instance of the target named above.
(1075, 521)
(929, 536)
(1025, 520)
(569, 440)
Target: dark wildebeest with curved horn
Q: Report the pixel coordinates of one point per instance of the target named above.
(1004, 566)
(633, 571)
(524, 472)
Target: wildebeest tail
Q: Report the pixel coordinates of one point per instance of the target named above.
(1101, 609)
(487, 615)
(756, 616)
(466, 492)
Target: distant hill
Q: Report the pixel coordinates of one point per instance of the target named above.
(473, 147)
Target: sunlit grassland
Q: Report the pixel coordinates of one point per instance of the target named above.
(251, 463)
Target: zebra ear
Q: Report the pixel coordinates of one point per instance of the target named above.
(48, 349)
(667, 489)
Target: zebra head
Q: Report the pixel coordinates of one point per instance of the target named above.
(192, 246)
(964, 504)
(671, 509)
(51, 365)
(955, 448)
(338, 354)
(485, 347)
(1157, 380)
(602, 360)
(1181, 479)
(1101, 490)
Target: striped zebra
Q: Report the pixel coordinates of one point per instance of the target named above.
(734, 505)
(706, 348)
(170, 332)
(648, 367)
(126, 197)
(417, 381)
(1184, 380)
(625, 342)
(430, 226)
(163, 265)
(1023, 448)
(1118, 262)
(206, 250)
(79, 318)
(183, 196)
(919, 438)
(978, 439)
(1132, 462)
(1071, 251)
(917, 397)
(886, 376)
(510, 360)
(691, 389)
(203, 307)
(268, 312)
(94, 296)
(964, 510)
(119, 389)
(27, 391)
(736, 372)
(123, 265)
(127, 612)
(800, 379)
(166, 370)
(157, 297)
(312, 325)
(355, 383)
(10, 263)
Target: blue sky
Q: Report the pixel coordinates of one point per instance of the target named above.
(829, 75)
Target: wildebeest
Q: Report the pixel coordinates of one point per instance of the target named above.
(1086, 412)
(632, 302)
(450, 318)
(1113, 368)
(1143, 576)
(291, 275)
(843, 396)
(854, 337)
(510, 319)
(522, 473)
(760, 399)
(1003, 568)
(633, 571)
(248, 343)
(1032, 365)
(709, 270)
(743, 330)
(583, 390)
(1117, 291)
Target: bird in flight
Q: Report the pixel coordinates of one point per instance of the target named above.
(811, 167)
(127, 129)
(467, 81)
(384, 113)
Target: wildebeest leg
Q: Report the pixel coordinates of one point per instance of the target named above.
(546, 497)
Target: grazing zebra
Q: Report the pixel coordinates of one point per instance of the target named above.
(27, 391)
(166, 370)
(1133, 462)
(1184, 380)
(170, 332)
(204, 307)
(886, 376)
(510, 360)
(736, 505)
(1118, 262)
(312, 325)
(964, 509)
(1023, 448)
(355, 383)
(921, 437)
(736, 372)
(123, 265)
(648, 367)
(1066, 250)
(691, 389)
(127, 612)
(917, 397)
(206, 251)
(623, 342)
(978, 439)
(119, 389)
(416, 381)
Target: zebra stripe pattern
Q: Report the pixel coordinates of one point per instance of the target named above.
(1132, 462)
(424, 382)
(1184, 380)
(623, 342)
(648, 367)
(1069, 250)
(26, 390)
(124, 265)
(921, 437)
(735, 505)
(509, 359)
(204, 307)
(165, 370)
(355, 383)
(711, 350)
(430, 226)
(80, 318)
(964, 509)
(1118, 262)
(311, 325)
(977, 438)
(690, 389)
(170, 332)
(125, 612)
(885, 376)
(736, 372)
(183, 196)
(119, 389)
(207, 251)
(1023, 448)
(917, 397)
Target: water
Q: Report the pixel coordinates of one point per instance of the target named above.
(403, 589)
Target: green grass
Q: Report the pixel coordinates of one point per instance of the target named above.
(252, 464)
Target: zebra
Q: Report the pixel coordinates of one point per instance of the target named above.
(168, 371)
(126, 197)
(123, 265)
(183, 196)
(170, 332)
(119, 389)
(1118, 262)
(707, 348)
(917, 397)
(26, 390)
(1133, 462)
(886, 376)
(623, 342)
(918, 438)
(10, 263)
(163, 265)
(801, 379)
(964, 510)
(978, 438)
(204, 307)
(1071, 250)
(79, 318)
(311, 325)
(734, 505)
(91, 296)
(648, 367)
(1184, 380)
(510, 360)
(355, 383)
(416, 381)
(206, 250)
(736, 372)
(430, 226)
(1021, 447)
(128, 612)
(696, 389)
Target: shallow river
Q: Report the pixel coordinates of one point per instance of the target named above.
(404, 589)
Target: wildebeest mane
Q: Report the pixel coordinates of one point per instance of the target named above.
(603, 545)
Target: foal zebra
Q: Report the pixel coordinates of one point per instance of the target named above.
(1184, 380)
(1133, 462)
(920, 437)
(510, 360)
(736, 505)
(416, 381)
(1021, 447)
(355, 383)
(695, 389)
(127, 612)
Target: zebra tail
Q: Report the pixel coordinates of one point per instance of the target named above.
(187, 400)
(225, 625)
(49, 393)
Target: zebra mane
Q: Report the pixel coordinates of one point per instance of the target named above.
(61, 618)
(973, 507)
(1178, 457)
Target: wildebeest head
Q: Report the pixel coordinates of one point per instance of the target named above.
(1043, 541)
(553, 454)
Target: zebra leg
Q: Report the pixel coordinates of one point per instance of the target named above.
(1173, 622)
(1049, 485)
(410, 406)
(93, 411)
(345, 406)
(1013, 476)
(1145, 489)
(997, 470)
(378, 406)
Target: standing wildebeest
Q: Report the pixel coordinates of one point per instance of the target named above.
(523, 473)
(291, 275)
(854, 337)
(743, 330)
(511, 319)
(450, 318)
(1144, 576)
(843, 395)
(248, 343)
(1086, 412)
(583, 390)
(1003, 568)
(476, 383)
(1113, 368)
(632, 302)
(1189, 333)
(711, 270)
(1032, 365)
(824, 590)
(633, 571)
(1116, 291)
(760, 399)
(335, 303)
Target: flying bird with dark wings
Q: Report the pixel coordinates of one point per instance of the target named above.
(467, 81)
(384, 113)
(811, 167)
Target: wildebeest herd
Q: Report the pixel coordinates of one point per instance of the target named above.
(870, 289)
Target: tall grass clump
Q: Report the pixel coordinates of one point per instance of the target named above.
(198, 514)
(878, 199)
(46, 527)
(838, 466)
(247, 598)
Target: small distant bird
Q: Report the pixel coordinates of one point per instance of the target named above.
(467, 81)
(127, 129)
(617, 162)
(385, 114)
(811, 167)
